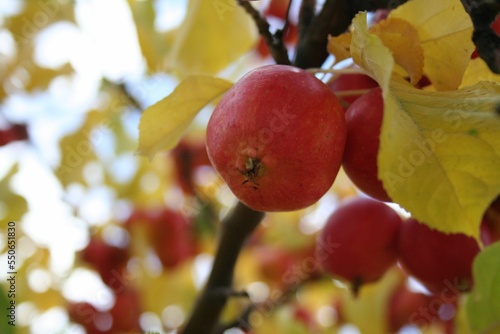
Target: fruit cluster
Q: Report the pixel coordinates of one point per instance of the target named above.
(169, 234)
(278, 138)
(372, 238)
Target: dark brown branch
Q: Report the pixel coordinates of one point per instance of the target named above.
(236, 227)
(273, 41)
(483, 14)
(333, 19)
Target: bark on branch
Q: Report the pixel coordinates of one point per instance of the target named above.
(236, 227)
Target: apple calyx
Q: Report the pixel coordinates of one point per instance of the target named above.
(253, 169)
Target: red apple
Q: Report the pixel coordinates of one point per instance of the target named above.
(350, 86)
(108, 260)
(277, 138)
(406, 307)
(277, 8)
(442, 262)
(170, 234)
(364, 121)
(13, 133)
(365, 234)
(187, 156)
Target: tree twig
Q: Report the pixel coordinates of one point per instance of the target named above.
(273, 41)
(483, 14)
(333, 19)
(236, 227)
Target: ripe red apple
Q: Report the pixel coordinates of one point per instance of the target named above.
(277, 138)
(405, 307)
(123, 317)
(108, 260)
(13, 133)
(350, 86)
(277, 8)
(187, 156)
(364, 121)
(126, 312)
(170, 234)
(442, 262)
(365, 234)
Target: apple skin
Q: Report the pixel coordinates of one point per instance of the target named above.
(277, 138)
(365, 232)
(15, 132)
(351, 82)
(108, 260)
(439, 261)
(169, 232)
(404, 306)
(363, 122)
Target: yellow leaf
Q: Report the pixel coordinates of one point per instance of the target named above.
(370, 53)
(478, 71)
(445, 31)
(340, 46)
(368, 309)
(163, 124)
(403, 41)
(12, 206)
(77, 149)
(439, 152)
(153, 44)
(213, 35)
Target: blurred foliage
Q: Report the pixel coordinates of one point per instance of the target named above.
(216, 41)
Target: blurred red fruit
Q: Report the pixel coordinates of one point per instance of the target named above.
(442, 262)
(108, 260)
(170, 234)
(277, 8)
(14, 133)
(187, 157)
(405, 308)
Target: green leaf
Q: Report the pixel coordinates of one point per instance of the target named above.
(15, 206)
(5, 328)
(439, 152)
(483, 303)
(163, 124)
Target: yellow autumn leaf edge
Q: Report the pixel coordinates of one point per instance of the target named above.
(369, 52)
(163, 124)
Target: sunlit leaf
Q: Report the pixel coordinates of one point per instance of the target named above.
(213, 34)
(439, 151)
(476, 71)
(40, 77)
(370, 53)
(78, 148)
(403, 41)
(153, 44)
(339, 46)
(368, 310)
(440, 154)
(445, 31)
(37, 15)
(163, 124)
(483, 304)
(12, 205)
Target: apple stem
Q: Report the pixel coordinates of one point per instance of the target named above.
(236, 227)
